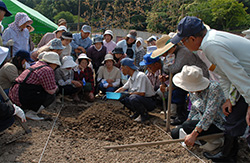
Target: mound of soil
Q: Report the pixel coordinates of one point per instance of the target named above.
(106, 121)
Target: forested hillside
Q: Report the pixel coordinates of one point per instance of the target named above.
(151, 15)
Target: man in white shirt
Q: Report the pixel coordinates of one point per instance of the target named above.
(229, 55)
(141, 92)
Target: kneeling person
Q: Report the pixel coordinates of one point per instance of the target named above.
(141, 92)
(206, 116)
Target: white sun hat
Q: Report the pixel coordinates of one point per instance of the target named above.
(68, 62)
(51, 57)
(108, 57)
(84, 56)
(191, 79)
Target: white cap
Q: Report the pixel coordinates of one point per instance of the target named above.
(61, 28)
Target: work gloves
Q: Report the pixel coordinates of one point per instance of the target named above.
(19, 112)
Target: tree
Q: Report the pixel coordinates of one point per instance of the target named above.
(164, 16)
(66, 15)
(228, 13)
(219, 14)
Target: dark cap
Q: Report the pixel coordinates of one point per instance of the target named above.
(117, 50)
(128, 62)
(3, 7)
(188, 26)
(67, 35)
(25, 55)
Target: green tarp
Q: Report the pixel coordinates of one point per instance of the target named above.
(40, 22)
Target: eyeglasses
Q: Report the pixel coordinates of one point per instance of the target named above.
(184, 39)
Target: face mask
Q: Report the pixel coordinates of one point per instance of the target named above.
(26, 65)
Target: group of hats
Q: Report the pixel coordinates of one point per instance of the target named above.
(191, 77)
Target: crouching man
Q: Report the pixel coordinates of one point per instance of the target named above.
(207, 97)
(141, 93)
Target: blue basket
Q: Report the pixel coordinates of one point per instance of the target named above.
(113, 95)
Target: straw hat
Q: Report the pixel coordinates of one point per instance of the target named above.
(163, 45)
(68, 62)
(108, 57)
(51, 57)
(191, 79)
(3, 53)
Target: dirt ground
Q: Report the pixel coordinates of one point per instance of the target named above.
(82, 130)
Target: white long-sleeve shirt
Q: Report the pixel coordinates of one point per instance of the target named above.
(231, 56)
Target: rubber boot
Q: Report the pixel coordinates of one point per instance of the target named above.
(228, 153)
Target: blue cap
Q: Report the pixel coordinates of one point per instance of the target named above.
(3, 7)
(147, 60)
(24, 54)
(128, 62)
(188, 26)
(86, 29)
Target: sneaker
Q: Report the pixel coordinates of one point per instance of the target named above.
(33, 116)
(134, 116)
(141, 118)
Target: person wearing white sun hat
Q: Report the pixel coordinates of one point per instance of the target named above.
(84, 73)
(65, 78)
(35, 88)
(206, 116)
(109, 76)
(108, 42)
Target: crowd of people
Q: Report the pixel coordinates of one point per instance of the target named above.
(211, 89)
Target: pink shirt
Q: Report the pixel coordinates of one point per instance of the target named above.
(110, 46)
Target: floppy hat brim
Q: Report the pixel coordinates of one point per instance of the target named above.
(69, 64)
(159, 51)
(69, 38)
(109, 59)
(190, 86)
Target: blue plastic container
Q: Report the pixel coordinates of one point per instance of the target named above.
(113, 95)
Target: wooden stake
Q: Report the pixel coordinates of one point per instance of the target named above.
(169, 102)
(206, 137)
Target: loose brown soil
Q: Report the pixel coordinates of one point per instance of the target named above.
(82, 130)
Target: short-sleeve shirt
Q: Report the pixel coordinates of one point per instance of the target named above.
(44, 76)
(139, 82)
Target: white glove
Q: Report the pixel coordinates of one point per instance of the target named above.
(105, 85)
(19, 112)
(10, 43)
